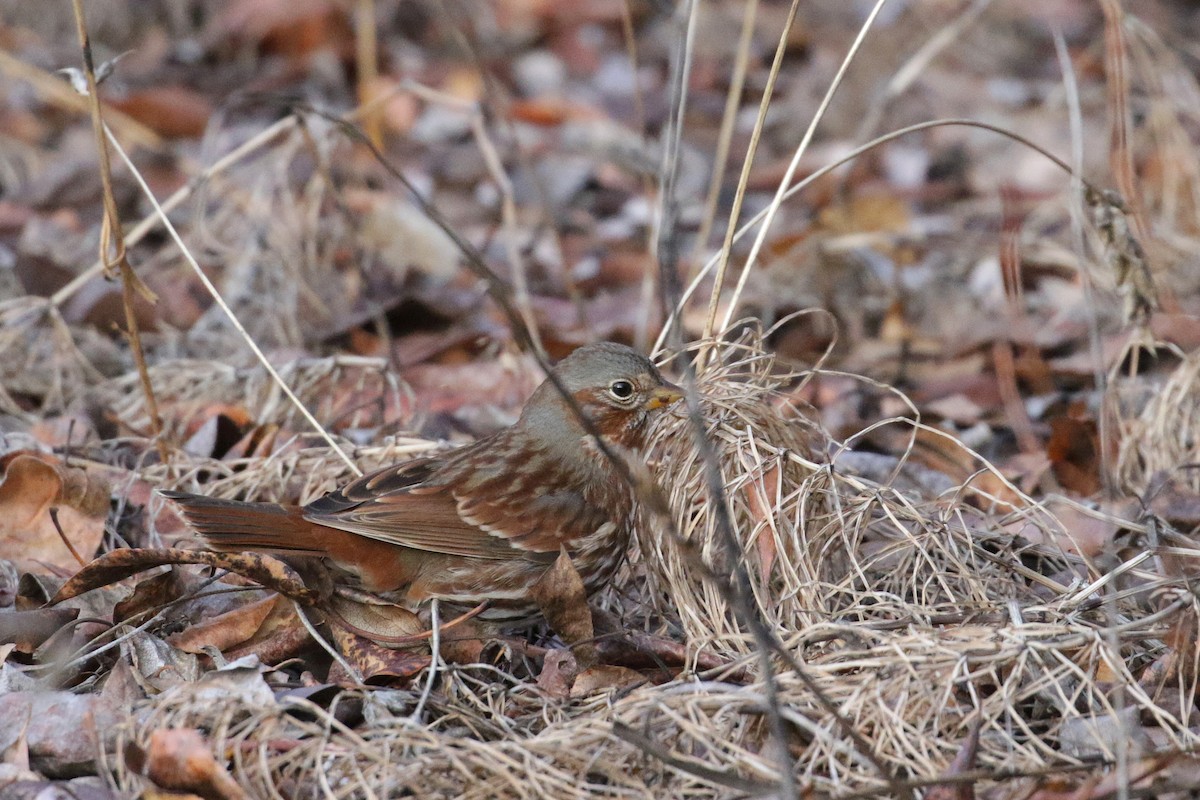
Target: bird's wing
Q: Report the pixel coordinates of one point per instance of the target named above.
(477, 508)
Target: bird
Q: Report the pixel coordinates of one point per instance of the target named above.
(479, 525)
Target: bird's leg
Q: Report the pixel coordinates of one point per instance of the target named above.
(562, 598)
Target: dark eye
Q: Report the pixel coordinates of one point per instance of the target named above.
(622, 390)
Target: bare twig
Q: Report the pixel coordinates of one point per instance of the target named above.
(53, 511)
(366, 61)
(111, 234)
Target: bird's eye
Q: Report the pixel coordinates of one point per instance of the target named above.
(622, 390)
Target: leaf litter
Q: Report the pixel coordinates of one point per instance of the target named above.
(964, 495)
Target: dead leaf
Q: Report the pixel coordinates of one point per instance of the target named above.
(154, 592)
(180, 759)
(760, 496)
(377, 622)
(377, 664)
(561, 596)
(271, 573)
(1074, 451)
(604, 677)
(27, 630)
(226, 630)
(35, 484)
(60, 729)
(157, 666)
(173, 112)
(559, 670)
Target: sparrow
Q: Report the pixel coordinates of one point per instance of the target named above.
(483, 523)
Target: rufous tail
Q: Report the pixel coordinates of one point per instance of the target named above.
(233, 526)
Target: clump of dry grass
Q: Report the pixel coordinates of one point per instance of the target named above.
(821, 545)
(341, 391)
(41, 359)
(1165, 433)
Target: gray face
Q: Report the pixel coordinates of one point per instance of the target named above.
(604, 363)
(610, 383)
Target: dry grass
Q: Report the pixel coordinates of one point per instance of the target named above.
(921, 619)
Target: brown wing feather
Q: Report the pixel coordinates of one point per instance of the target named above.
(462, 505)
(421, 505)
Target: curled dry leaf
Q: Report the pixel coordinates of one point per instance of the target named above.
(383, 624)
(32, 486)
(563, 600)
(761, 494)
(120, 564)
(225, 630)
(603, 678)
(559, 670)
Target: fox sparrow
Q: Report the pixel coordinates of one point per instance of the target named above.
(486, 521)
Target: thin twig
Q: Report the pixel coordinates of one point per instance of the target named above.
(111, 234)
(816, 175)
(366, 62)
(58, 93)
(435, 657)
(53, 511)
(326, 646)
(668, 256)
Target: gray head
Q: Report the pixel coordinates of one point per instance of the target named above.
(615, 386)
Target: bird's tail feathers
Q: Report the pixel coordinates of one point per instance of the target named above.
(232, 526)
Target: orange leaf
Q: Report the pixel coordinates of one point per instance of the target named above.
(32, 487)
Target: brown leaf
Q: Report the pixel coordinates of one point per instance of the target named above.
(559, 670)
(1074, 451)
(760, 496)
(226, 630)
(374, 621)
(152, 593)
(561, 596)
(60, 729)
(271, 573)
(180, 759)
(377, 664)
(604, 677)
(174, 112)
(34, 484)
(28, 629)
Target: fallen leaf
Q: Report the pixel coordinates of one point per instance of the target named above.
(559, 670)
(1074, 451)
(375, 663)
(561, 596)
(226, 630)
(760, 497)
(173, 112)
(271, 573)
(180, 759)
(34, 490)
(27, 630)
(604, 677)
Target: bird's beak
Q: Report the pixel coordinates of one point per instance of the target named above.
(663, 396)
